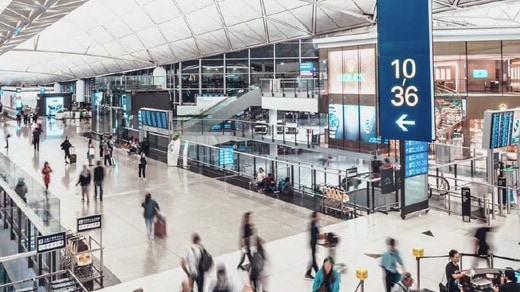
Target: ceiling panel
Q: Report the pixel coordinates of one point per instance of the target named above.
(64, 39)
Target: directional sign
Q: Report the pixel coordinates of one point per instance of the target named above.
(89, 223)
(50, 242)
(405, 69)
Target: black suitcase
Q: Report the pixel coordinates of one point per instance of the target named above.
(73, 157)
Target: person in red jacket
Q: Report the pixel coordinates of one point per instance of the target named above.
(46, 172)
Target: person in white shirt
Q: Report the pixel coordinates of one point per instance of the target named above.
(260, 176)
(405, 283)
(190, 263)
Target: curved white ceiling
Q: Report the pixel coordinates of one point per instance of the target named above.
(43, 41)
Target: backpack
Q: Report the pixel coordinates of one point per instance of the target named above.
(20, 190)
(257, 266)
(206, 260)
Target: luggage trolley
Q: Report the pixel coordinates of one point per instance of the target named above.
(330, 243)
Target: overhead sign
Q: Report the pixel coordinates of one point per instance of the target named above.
(89, 223)
(50, 242)
(405, 69)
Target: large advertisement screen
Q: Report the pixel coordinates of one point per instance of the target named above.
(336, 121)
(367, 122)
(352, 71)
(351, 122)
(53, 105)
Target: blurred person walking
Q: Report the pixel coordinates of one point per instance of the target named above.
(37, 132)
(196, 262)
(151, 208)
(21, 189)
(482, 247)
(99, 177)
(246, 233)
(389, 262)
(314, 237)
(84, 181)
(46, 172)
(257, 276)
(106, 154)
(65, 146)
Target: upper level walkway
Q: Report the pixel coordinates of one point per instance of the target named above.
(213, 208)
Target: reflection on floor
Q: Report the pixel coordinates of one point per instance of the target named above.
(213, 208)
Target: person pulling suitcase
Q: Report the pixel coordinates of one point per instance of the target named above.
(65, 146)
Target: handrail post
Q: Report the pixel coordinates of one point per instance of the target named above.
(418, 259)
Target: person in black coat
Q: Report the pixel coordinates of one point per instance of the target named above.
(509, 282)
(65, 146)
(84, 180)
(99, 177)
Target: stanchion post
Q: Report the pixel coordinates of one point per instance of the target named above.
(418, 253)
(362, 275)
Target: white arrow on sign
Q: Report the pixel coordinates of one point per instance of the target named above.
(401, 122)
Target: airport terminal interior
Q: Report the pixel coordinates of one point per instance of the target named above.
(204, 145)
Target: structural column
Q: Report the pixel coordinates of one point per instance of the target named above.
(80, 90)
(273, 118)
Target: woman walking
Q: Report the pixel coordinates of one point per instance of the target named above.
(91, 152)
(84, 180)
(245, 238)
(142, 165)
(46, 172)
(257, 276)
(150, 210)
(327, 279)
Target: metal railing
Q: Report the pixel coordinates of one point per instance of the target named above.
(296, 88)
(63, 280)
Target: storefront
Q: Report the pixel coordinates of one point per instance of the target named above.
(469, 77)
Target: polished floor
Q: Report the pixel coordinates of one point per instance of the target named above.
(194, 203)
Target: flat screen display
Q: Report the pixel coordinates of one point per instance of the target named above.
(307, 69)
(156, 119)
(501, 129)
(351, 122)
(336, 121)
(53, 105)
(415, 158)
(367, 122)
(480, 74)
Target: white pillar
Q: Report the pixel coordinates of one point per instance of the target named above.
(159, 77)
(273, 118)
(80, 90)
(57, 87)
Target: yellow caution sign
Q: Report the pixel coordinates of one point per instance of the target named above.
(361, 274)
(418, 252)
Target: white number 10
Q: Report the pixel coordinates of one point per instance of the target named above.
(408, 68)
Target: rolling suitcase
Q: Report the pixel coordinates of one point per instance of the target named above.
(160, 227)
(73, 157)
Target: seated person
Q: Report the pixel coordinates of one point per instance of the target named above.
(270, 183)
(287, 187)
(259, 180)
(132, 147)
(508, 282)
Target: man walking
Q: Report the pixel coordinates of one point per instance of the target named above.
(191, 263)
(315, 235)
(36, 137)
(65, 146)
(389, 261)
(99, 177)
(482, 247)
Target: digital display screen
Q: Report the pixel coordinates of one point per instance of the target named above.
(501, 129)
(154, 119)
(480, 74)
(415, 158)
(54, 105)
(351, 122)
(226, 155)
(416, 164)
(307, 69)
(335, 121)
(367, 116)
(415, 147)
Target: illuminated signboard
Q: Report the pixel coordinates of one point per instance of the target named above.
(307, 69)
(154, 120)
(226, 155)
(405, 70)
(416, 158)
(498, 129)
